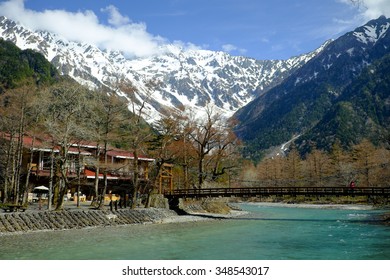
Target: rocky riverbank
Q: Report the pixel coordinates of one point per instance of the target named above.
(23, 222)
(73, 217)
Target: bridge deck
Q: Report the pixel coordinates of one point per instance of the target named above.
(293, 191)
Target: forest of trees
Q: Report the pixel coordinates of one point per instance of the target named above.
(365, 164)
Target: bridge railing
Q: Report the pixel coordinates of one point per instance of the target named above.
(252, 191)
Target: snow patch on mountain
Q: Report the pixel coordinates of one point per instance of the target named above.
(371, 34)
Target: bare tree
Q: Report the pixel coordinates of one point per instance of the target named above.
(317, 167)
(65, 124)
(17, 116)
(293, 166)
(135, 131)
(226, 156)
(364, 160)
(108, 112)
(274, 170)
(206, 135)
(165, 147)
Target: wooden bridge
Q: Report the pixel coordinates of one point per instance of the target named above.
(279, 191)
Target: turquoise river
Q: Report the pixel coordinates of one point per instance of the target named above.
(268, 232)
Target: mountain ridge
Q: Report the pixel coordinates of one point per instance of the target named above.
(301, 101)
(191, 78)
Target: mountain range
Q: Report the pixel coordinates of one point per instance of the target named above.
(342, 94)
(191, 78)
(338, 92)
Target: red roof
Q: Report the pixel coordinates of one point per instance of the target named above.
(28, 141)
(42, 145)
(125, 154)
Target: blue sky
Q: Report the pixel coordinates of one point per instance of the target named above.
(266, 29)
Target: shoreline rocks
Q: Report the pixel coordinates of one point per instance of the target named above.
(76, 218)
(24, 222)
(71, 217)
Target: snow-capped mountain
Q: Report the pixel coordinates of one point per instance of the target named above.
(184, 78)
(319, 100)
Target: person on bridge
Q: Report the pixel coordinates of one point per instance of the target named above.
(352, 185)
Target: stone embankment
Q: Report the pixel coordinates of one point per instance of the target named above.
(76, 218)
(19, 222)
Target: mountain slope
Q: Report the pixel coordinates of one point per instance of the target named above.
(362, 111)
(184, 78)
(18, 65)
(301, 101)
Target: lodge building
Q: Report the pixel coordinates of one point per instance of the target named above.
(81, 165)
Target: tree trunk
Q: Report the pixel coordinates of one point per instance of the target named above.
(135, 179)
(78, 177)
(27, 183)
(61, 194)
(96, 199)
(200, 170)
(156, 183)
(51, 179)
(19, 157)
(102, 196)
(7, 184)
(101, 202)
(64, 176)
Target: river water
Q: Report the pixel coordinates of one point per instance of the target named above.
(268, 232)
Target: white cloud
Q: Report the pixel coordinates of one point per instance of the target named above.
(376, 8)
(370, 9)
(122, 34)
(229, 48)
(116, 18)
(362, 11)
(265, 40)
(232, 48)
